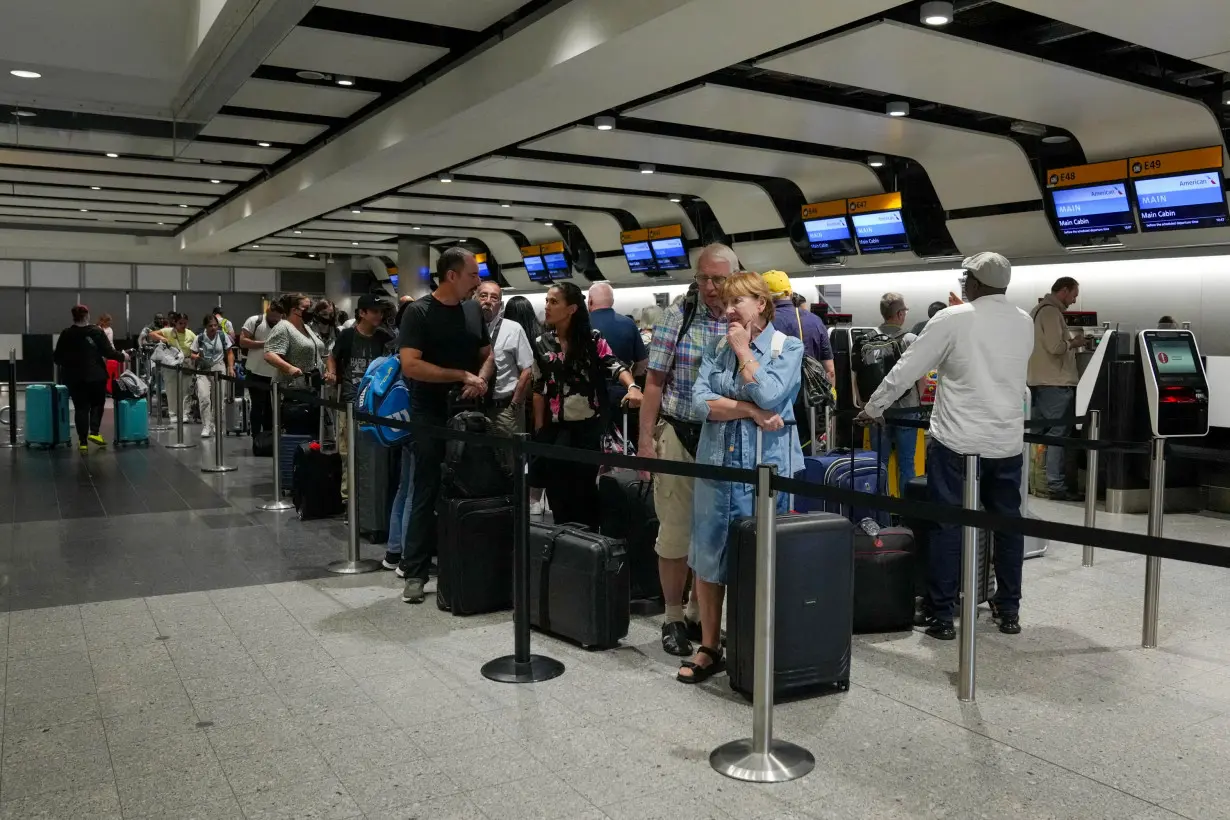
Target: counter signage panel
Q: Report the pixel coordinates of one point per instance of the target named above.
(1088, 210)
(671, 254)
(1182, 201)
(637, 251)
(535, 267)
(881, 232)
(484, 272)
(829, 236)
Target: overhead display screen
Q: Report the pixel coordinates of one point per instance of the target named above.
(1170, 203)
(829, 237)
(557, 265)
(640, 257)
(882, 232)
(670, 254)
(484, 272)
(1090, 210)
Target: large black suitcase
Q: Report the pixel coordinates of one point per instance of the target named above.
(626, 504)
(883, 579)
(815, 578)
(474, 542)
(379, 470)
(578, 585)
(317, 482)
(916, 490)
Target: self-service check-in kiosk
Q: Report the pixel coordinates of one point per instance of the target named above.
(1178, 398)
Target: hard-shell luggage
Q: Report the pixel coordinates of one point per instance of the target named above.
(916, 490)
(262, 444)
(378, 471)
(131, 421)
(860, 470)
(317, 482)
(884, 574)
(474, 543)
(47, 415)
(474, 470)
(237, 413)
(578, 585)
(627, 509)
(286, 460)
(815, 578)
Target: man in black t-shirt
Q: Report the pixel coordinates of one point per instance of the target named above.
(444, 347)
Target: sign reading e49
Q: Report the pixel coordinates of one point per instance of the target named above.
(1176, 162)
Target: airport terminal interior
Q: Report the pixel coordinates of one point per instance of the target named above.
(173, 650)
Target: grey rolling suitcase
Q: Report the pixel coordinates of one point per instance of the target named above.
(379, 469)
(237, 415)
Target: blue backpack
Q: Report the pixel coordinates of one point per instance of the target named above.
(384, 393)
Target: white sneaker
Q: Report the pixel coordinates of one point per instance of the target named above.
(207, 433)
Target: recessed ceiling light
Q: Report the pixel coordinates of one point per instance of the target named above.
(897, 109)
(417, 228)
(95, 188)
(256, 246)
(162, 223)
(1225, 98)
(263, 144)
(309, 75)
(549, 224)
(85, 210)
(676, 198)
(312, 255)
(505, 204)
(354, 243)
(604, 123)
(444, 176)
(356, 210)
(343, 79)
(298, 231)
(647, 168)
(21, 113)
(24, 74)
(113, 155)
(1056, 139)
(182, 205)
(876, 160)
(216, 181)
(936, 13)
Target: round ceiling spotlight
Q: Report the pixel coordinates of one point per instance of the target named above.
(298, 231)
(676, 198)
(95, 188)
(876, 160)
(85, 210)
(1056, 139)
(263, 144)
(311, 256)
(24, 74)
(647, 168)
(417, 228)
(604, 123)
(356, 210)
(549, 224)
(897, 109)
(256, 246)
(309, 75)
(343, 79)
(1225, 99)
(182, 205)
(505, 204)
(113, 155)
(445, 177)
(216, 181)
(936, 13)
(354, 243)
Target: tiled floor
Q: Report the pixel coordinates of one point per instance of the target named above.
(267, 696)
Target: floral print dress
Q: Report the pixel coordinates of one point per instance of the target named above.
(574, 390)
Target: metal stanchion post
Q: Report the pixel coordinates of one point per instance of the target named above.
(815, 431)
(1094, 430)
(760, 758)
(966, 673)
(1153, 564)
(278, 504)
(352, 564)
(179, 443)
(158, 384)
(521, 666)
(215, 394)
(11, 443)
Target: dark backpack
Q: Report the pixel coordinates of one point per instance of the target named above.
(874, 357)
(474, 470)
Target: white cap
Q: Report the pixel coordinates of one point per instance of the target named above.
(989, 268)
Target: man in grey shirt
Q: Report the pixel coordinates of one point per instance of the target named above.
(884, 438)
(514, 362)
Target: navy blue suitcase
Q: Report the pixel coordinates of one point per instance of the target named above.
(286, 460)
(860, 470)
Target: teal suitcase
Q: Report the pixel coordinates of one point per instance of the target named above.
(132, 421)
(47, 415)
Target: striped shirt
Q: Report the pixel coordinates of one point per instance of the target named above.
(681, 362)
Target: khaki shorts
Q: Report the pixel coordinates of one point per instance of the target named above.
(672, 498)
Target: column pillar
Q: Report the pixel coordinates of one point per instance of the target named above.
(413, 267)
(337, 283)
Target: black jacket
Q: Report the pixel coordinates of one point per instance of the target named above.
(81, 353)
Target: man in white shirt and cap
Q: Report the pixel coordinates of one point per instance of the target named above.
(981, 350)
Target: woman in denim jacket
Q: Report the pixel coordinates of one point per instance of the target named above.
(747, 380)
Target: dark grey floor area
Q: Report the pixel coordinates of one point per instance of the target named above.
(134, 522)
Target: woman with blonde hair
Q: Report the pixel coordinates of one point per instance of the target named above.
(745, 389)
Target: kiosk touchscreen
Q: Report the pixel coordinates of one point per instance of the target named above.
(1175, 383)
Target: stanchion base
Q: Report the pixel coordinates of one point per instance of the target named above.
(187, 445)
(161, 428)
(507, 670)
(784, 761)
(223, 469)
(354, 567)
(647, 606)
(281, 505)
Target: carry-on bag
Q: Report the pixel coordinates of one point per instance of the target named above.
(474, 470)
(237, 414)
(286, 461)
(474, 544)
(47, 415)
(262, 444)
(858, 470)
(916, 490)
(627, 511)
(131, 421)
(379, 470)
(814, 586)
(317, 482)
(578, 585)
(884, 576)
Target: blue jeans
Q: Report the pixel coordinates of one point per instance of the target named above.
(1054, 403)
(400, 516)
(887, 436)
(1000, 493)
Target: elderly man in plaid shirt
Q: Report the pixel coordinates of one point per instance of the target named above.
(674, 361)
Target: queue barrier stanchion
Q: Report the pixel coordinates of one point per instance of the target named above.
(157, 386)
(760, 758)
(11, 442)
(179, 443)
(1094, 431)
(278, 504)
(215, 392)
(967, 655)
(521, 666)
(352, 564)
(1153, 564)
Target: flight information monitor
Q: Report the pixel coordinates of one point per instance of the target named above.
(1091, 210)
(557, 266)
(1170, 203)
(536, 268)
(640, 257)
(881, 232)
(829, 237)
(670, 254)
